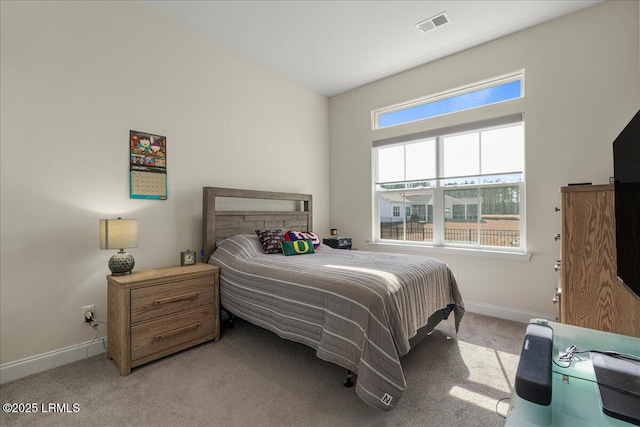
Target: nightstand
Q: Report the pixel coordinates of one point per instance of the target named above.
(338, 242)
(154, 313)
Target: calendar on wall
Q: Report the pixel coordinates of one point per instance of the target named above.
(148, 166)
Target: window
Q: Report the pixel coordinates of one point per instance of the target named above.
(459, 187)
(492, 91)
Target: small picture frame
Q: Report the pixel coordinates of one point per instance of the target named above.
(187, 257)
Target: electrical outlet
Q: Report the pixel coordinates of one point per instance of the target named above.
(91, 308)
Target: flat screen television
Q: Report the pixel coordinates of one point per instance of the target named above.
(626, 170)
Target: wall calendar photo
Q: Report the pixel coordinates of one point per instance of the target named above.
(148, 166)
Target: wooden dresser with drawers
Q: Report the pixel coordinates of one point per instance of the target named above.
(154, 313)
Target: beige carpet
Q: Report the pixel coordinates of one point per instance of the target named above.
(253, 378)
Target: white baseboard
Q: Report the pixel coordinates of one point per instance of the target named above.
(507, 313)
(45, 361)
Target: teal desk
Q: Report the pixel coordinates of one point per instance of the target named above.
(575, 398)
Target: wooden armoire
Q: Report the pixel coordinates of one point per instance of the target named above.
(591, 294)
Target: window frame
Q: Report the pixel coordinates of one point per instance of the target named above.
(450, 93)
(439, 189)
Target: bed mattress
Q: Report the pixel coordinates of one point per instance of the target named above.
(356, 309)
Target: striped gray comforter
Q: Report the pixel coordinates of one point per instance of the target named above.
(356, 309)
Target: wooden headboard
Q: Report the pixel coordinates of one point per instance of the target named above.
(219, 224)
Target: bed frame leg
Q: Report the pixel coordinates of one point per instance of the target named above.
(229, 320)
(349, 383)
(231, 316)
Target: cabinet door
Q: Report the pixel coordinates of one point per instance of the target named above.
(592, 296)
(588, 257)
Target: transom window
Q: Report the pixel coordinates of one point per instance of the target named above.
(483, 93)
(457, 187)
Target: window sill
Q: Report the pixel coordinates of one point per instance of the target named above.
(486, 253)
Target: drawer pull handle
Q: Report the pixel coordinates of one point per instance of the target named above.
(191, 295)
(176, 332)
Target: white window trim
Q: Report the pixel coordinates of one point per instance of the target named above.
(438, 245)
(491, 82)
(387, 245)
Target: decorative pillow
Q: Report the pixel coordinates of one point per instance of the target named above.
(302, 235)
(270, 240)
(297, 247)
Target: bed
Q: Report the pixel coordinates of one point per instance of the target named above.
(359, 310)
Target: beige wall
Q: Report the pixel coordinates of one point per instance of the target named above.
(582, 87)
(76, 77)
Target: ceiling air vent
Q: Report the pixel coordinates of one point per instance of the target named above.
(433, 22)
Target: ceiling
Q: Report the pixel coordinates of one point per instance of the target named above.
(335, 46)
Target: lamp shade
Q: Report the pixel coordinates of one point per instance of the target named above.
(118, 233)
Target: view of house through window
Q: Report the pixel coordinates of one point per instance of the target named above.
(455, 189)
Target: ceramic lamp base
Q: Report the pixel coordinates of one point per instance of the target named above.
(121, 263)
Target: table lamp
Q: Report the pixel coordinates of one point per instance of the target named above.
(119, 234)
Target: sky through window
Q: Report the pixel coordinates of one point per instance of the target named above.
(466, 101)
